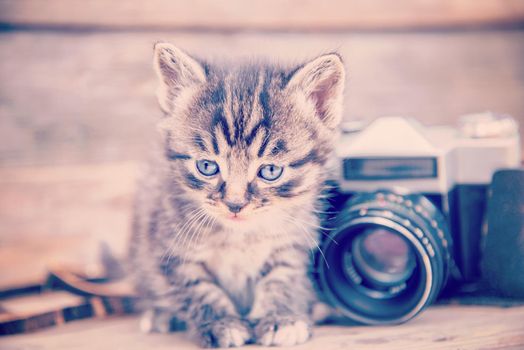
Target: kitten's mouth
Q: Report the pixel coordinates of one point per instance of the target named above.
(235, 217)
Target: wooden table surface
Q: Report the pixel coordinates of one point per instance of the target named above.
(440, 327)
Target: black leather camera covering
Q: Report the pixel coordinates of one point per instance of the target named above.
(502, 262)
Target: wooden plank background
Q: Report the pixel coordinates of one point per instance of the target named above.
(261, 15)
(72, 89)
(77, 97)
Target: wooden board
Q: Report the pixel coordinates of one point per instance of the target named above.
(265, 15)
(442, 327)
(59, 215)
(89, 97)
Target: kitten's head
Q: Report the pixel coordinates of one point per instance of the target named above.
(248, 143)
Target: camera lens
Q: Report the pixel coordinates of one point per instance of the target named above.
(382, 257)
(387, 257)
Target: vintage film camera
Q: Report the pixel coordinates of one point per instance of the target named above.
(408, 211)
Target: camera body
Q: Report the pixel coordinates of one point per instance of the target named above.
(410, 203)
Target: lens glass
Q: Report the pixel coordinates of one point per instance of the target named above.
(382, 257)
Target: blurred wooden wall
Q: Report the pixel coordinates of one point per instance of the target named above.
(261, 14)
(76, 83)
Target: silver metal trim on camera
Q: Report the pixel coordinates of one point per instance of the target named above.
(469, 154)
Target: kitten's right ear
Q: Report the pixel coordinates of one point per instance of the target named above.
(322, 82)
(176, 71)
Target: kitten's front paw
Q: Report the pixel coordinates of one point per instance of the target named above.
(282, 330)
(155, 321)
(160, 321)
(224, 333)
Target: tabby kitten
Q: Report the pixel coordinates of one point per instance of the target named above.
(225, 218)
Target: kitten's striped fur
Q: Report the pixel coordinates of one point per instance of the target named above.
(235, 280)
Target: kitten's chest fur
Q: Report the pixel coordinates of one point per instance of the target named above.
(236, 263)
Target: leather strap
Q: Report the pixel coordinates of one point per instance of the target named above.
(98, 297)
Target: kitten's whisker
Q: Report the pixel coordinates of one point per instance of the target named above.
(187, 233)
(318, 228)
(187, 221)
(189, 216)
(210, 225)
(323, 211)
(302, 231)
(172, 241)
(196, 232)
(209, 220)
(307, 234)
(201, 228)
(179, 232)
(189, 230)
(315, 226)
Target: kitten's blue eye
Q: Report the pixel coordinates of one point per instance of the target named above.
(270, 172)
(207, 167)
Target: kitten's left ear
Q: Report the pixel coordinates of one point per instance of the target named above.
(176, 71)
(322, 80)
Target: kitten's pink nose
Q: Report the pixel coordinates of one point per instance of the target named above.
(234, 207)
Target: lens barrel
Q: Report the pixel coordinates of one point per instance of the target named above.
(387, 257)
